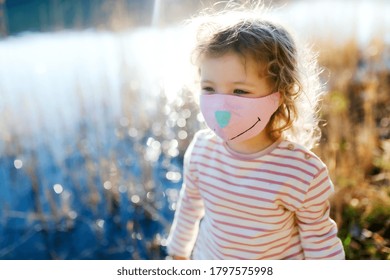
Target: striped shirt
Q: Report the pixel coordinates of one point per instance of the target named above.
(269, 205)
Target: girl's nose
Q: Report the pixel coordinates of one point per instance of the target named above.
(223, 118)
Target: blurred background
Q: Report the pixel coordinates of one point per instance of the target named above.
(95, 116)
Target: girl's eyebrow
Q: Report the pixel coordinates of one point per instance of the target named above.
(243, 83)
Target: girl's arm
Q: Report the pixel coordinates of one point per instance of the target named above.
(189, 211)
(317, 230)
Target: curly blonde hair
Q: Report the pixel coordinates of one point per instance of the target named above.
(293, 72)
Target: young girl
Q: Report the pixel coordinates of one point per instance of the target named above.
(252, 189)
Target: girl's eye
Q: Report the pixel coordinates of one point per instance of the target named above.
(240, 91)
(208, 89)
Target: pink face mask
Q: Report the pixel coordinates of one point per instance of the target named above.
(235, 118)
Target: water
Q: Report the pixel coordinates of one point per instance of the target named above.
(91, 145)
(93, 126)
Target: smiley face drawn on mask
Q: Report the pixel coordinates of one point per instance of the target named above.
(258, 120)
(235, 118)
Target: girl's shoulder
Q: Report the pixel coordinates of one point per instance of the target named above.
(298, 152)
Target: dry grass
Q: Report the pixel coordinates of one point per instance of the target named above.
(356, 145)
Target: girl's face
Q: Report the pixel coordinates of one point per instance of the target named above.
(231, 74)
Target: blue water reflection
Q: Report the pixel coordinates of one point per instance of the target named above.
(91, 146)
(53, 210)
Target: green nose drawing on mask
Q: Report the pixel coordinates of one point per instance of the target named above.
(223, 118)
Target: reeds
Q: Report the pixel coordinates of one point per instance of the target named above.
(356, 142)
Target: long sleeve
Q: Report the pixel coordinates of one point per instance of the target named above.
(189, 211)
(318, 232)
